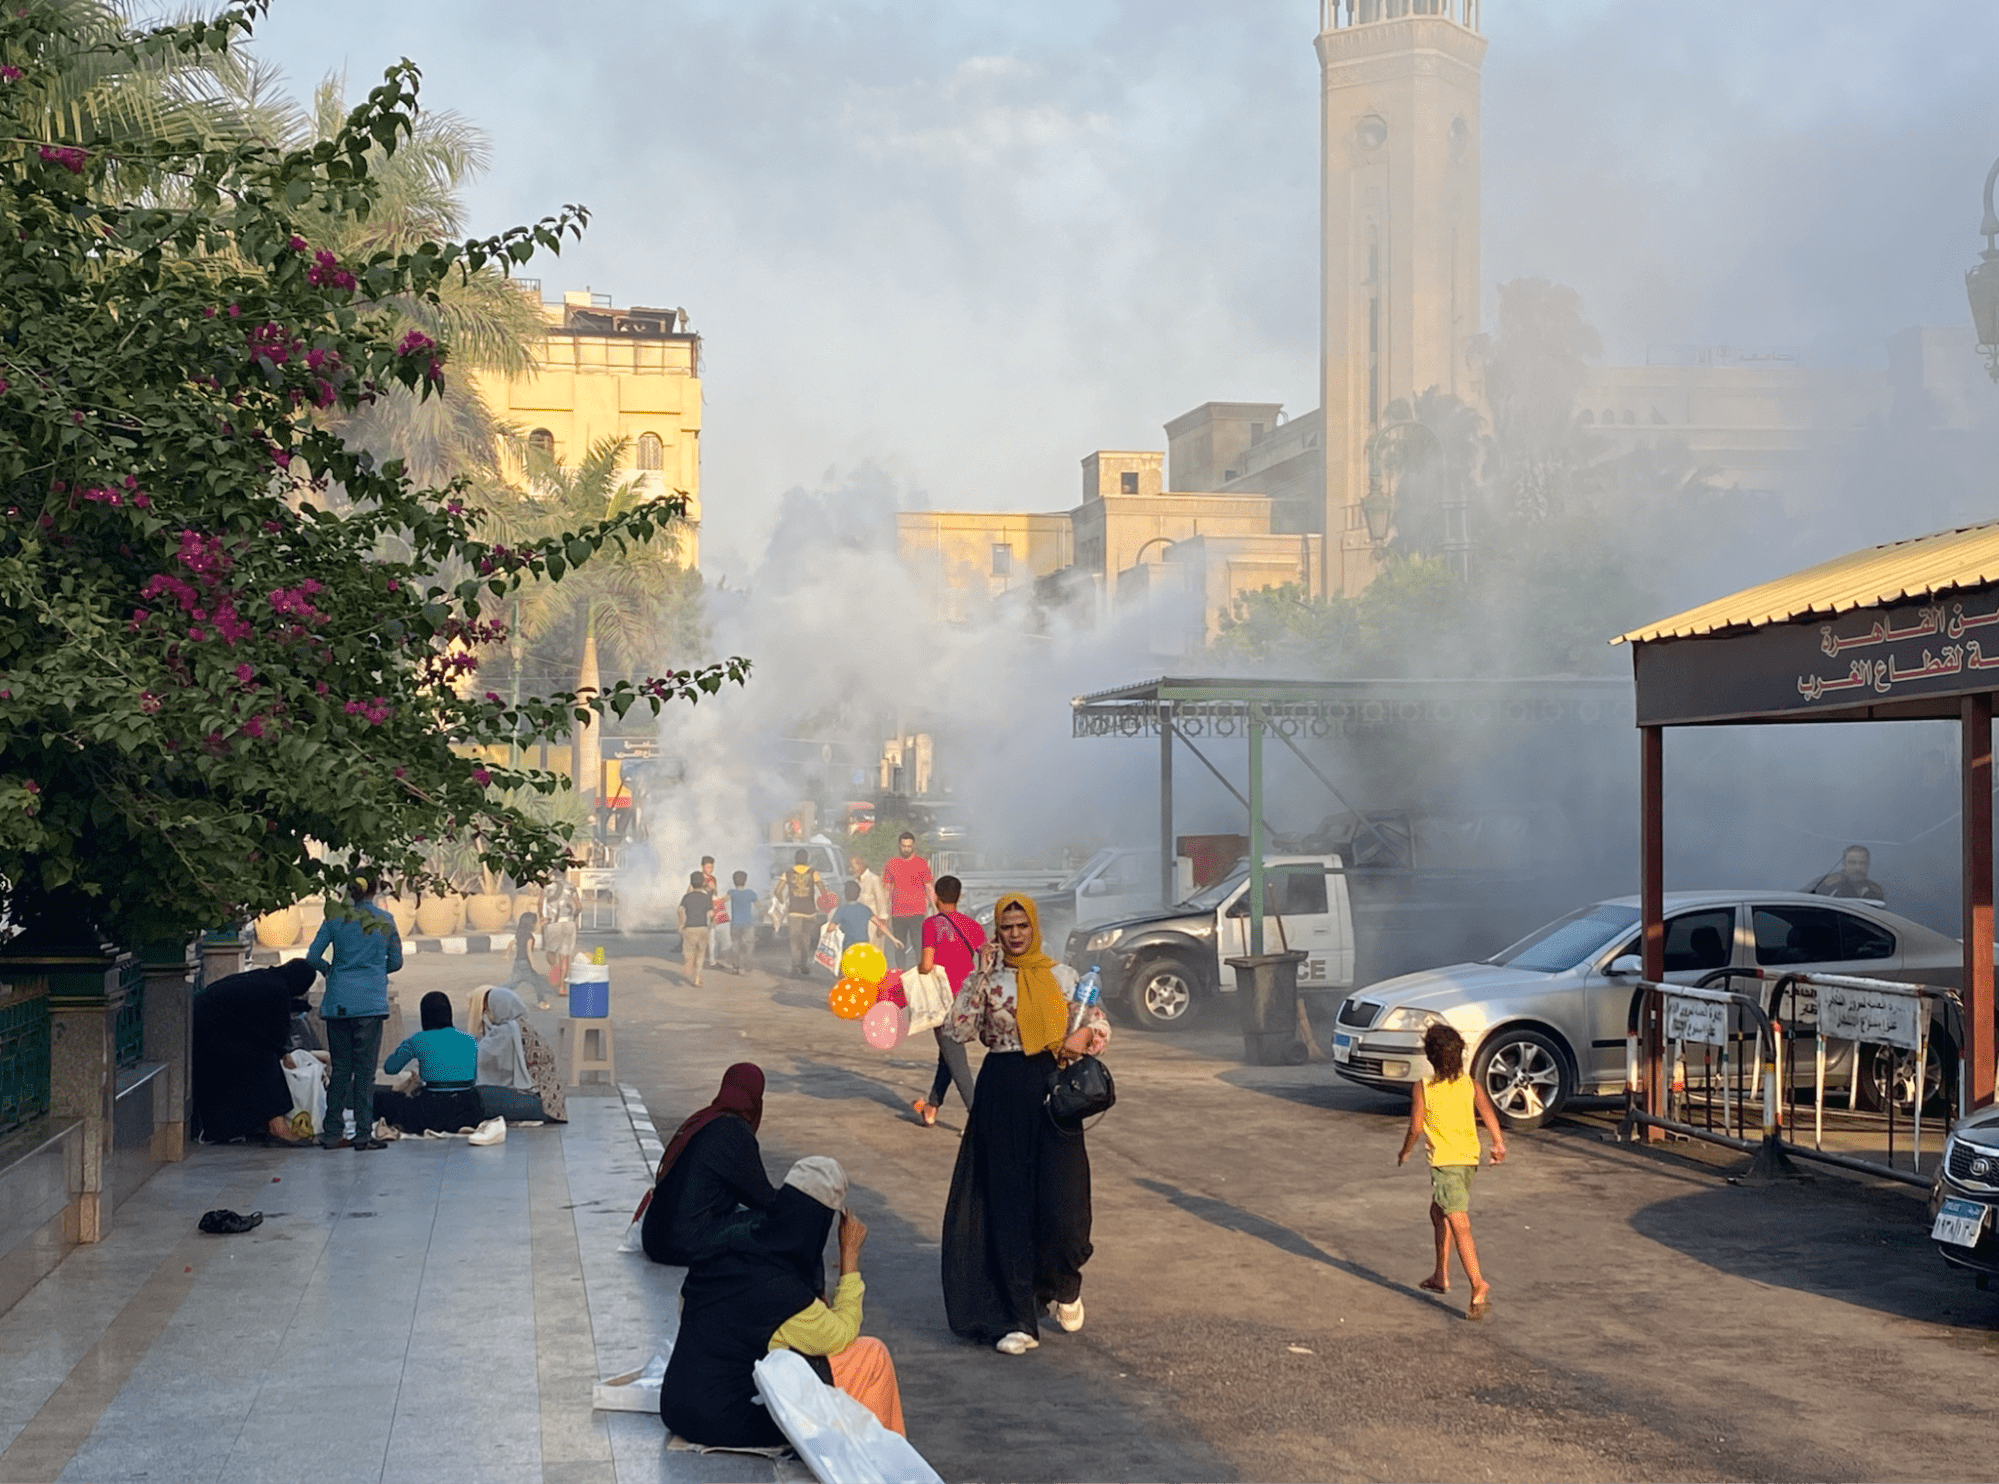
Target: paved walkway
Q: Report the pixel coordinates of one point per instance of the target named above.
(431, 1313)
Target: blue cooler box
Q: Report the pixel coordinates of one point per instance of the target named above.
(589, 991)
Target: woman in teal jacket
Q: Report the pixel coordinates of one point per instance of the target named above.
(366, 950)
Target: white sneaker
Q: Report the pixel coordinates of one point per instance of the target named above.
(492, 1131)
(1017, 1343)
(1069, 1316)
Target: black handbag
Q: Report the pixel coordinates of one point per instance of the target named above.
(1081, 1090)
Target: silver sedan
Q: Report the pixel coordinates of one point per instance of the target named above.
(1546, 1019)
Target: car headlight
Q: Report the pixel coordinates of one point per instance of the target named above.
(1409, 1019)
(1100, 941)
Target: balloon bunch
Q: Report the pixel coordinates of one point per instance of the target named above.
(859, 995)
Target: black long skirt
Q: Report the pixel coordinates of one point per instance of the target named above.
(1017, 1226)
(428, 1110)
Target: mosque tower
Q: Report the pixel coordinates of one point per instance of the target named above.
(1399, 211)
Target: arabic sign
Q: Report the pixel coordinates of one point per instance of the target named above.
(1870, 658)
(1696, 1020)
(1870, 1015)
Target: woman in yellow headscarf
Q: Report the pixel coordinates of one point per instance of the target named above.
(1017, 1225)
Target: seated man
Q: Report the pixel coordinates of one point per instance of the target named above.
(447, 1060)
(762, 1292)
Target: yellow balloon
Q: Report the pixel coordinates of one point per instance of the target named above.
(863, 961)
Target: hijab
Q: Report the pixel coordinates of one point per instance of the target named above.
(1041, 1010)
(435, 1011)
(503, 1053)
(788, 1238)
(741, 1096)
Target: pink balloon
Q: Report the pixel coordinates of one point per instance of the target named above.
(885, 1025)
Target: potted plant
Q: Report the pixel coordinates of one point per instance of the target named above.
(489, 909)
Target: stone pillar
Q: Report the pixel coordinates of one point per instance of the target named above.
(170, 970)
(225, 952)
(84, 997)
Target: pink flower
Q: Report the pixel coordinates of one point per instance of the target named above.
(149, 703)
(68, 156)
(243, 674)
(142, 500)
(32, 787)
(297, 244)
(254, 727)
(414, 343)
(326, 272)
(11, 74)
(481, 777)
(394, 586)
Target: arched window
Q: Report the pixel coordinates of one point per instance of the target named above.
(542, 441)
(652, 453)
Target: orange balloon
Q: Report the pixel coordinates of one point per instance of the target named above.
(850, 999)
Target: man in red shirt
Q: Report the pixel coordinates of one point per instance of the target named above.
(951, 941)
(910, 899)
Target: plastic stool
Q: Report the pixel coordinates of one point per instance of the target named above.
(575, 1049)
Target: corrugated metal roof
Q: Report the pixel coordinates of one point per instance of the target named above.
(1900, 572)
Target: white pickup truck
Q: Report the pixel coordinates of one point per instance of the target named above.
(1156, 964)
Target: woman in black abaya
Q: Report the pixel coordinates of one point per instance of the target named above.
(242, 1026)
(1017, 1225)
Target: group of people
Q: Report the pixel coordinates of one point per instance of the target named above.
(245, 1024)
(716, 926)
(886, 907)
(1016, 1225)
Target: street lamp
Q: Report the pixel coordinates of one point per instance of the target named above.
(1378, 508)
(1981, 284)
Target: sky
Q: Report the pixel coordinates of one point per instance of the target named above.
(950, 249)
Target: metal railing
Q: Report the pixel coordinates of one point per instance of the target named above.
(1721, 1023)
(1336, 15)
(129, 1033)
(24, 1061)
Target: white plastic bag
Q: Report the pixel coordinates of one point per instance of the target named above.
(840, 1440)
(634, 1239)
(831, 944)
(634, 1391)
(305, 1074)
(929, 998)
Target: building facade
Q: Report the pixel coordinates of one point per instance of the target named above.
(604, 372)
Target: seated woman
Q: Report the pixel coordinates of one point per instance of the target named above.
(517, 1075)
(445, 1059)
(761, 1293)
(242, 1026)
(711, 1170)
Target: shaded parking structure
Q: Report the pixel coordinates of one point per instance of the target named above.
(1903, 632)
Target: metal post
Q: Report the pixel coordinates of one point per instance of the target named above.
(1166, 882)
(1652, 897)
(1256, 840)
(1975, 749)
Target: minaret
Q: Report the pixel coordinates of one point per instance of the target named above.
(1399, 140)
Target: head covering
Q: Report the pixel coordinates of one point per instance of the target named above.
(820, 1177)
(742, 1096)
(1041, 1010)
(435, 1011)
(503, 1052)
(298, 976)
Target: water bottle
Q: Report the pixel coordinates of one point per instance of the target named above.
(1089, 991)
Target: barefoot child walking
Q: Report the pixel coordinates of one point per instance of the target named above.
(1446, 1110)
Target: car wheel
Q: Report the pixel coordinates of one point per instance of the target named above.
(1162, 994)
(1893, 1066)
(1527, 1076)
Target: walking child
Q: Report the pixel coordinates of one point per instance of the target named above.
(1446, 1110)
(742, 924)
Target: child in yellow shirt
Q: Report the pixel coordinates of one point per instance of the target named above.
(1446, 1110)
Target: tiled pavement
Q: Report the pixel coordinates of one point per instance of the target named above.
(433, 1312)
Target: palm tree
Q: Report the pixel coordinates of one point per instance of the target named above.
(633, 604)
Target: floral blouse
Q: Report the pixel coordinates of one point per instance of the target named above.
(985, 1008)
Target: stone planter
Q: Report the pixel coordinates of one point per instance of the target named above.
(403, 912)
(488, 912)
(280, 929)
(440, 917)
(526, 901)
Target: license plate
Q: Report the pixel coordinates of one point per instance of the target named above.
(1959, 1223)
(1342, 1048)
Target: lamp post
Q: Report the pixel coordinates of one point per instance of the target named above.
(1378, 508)
(1981, 283)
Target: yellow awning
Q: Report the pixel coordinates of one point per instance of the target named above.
(1900, 572)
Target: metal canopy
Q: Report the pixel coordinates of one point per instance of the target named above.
(1907, 632)
(1219, 706)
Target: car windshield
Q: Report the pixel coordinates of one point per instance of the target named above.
(1563, 944)
(1213, 895)
(1083, 873)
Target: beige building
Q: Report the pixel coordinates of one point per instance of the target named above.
(605, 372)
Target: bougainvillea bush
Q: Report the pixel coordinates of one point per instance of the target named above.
(223, 634)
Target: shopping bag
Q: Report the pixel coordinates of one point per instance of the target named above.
(840, 1440)
(929, 997)
(832, 942)
(719, 917)
(634, 1391)
(305, 1075)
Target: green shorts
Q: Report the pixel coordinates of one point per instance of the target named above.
(1450, 1187)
